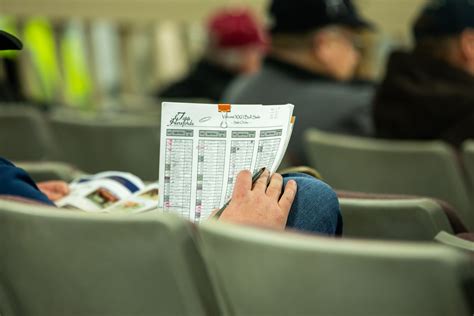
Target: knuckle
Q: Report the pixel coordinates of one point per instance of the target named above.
(273, 191)
(238, 195)
(288, 198)
(292, 192)
(277, 176)
(291, 189)
(270, 190)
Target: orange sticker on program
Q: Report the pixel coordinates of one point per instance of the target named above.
(224, 107)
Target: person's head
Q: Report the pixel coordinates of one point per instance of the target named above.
(319, 34)
(237, 41)
(445, 30)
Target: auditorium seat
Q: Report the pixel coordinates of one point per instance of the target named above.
(422, 168)
(70, 263)
(270, 273)
(418, 219)
(120, 143)
(415, 216)
(24, 134)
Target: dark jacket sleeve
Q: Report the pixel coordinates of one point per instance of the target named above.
(16, 182)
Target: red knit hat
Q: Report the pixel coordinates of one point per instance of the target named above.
(234, 28)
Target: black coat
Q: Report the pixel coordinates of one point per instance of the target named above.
(424, 99)
(206, 81)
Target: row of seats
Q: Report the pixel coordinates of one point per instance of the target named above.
(368, 216)
(422, 168)
(123, 142)
(67, 263)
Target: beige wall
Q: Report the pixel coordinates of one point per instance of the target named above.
(124, 10)
(392, 16)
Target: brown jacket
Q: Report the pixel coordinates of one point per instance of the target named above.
(424, 98)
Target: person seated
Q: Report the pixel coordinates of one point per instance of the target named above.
(428, 92)
(306, 204)
(236, 43)
(312, 60)
(16, 182)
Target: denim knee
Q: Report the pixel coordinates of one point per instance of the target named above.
(315, 208)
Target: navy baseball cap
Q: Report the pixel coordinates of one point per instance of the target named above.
(9, 42)
(444, 17)
(299, 16)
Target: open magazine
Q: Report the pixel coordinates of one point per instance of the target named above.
(111, 192)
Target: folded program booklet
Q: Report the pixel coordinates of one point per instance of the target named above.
(110, 192)
(205, 146)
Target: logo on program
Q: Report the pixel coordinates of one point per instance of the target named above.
(181, 119)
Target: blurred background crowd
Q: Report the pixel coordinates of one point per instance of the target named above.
(94, 56)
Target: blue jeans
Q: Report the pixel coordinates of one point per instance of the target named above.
(315, 208)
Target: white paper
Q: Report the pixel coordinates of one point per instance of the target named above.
(142, 201)
(202, 151)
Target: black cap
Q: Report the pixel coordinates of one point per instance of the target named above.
(299, 16)
(444, 17)
(9, 42)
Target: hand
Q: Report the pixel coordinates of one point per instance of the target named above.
(54, 190)
(261, 206)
